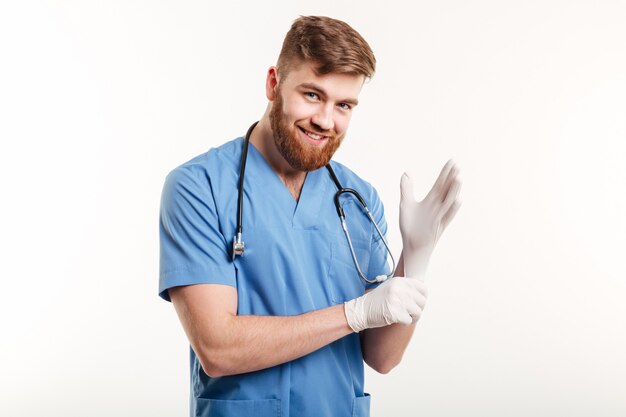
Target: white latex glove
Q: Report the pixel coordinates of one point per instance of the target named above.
(396, 300)
(422, 223)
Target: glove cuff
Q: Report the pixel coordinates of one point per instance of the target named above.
(354, 314)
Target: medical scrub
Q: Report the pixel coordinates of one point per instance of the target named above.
(296, 260)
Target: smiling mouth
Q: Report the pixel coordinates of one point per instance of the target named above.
(312, 135)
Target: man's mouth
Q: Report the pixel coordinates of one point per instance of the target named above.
(312, 135)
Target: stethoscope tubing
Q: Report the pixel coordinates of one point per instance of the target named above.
(238, 244)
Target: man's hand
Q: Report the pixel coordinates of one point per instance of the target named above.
(422, 223)
(397, 300)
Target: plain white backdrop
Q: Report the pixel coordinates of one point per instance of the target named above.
(100, 100)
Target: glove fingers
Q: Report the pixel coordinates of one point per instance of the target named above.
(453, 177)
(453, 193)
(421, 301)
(438, 187)
(417, 293)
(415, 312)
(447, 218)
(404, 318)
(406, 188)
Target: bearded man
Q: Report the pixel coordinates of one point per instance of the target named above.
(283, 325)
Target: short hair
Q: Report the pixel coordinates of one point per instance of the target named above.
(329, 43)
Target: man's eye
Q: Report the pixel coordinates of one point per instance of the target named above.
(311, 95)
(345, 106)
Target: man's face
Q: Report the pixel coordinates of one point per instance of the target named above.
(311, 113)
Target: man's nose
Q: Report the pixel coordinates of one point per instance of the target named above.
(323, 118)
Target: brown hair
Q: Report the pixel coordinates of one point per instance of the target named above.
(330, 43)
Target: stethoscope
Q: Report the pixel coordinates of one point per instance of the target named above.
(238, 244)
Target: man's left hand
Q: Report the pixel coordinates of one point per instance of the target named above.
(423, 222)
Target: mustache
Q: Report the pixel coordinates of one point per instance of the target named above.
(316, 129)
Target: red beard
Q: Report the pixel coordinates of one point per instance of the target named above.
(291, 146)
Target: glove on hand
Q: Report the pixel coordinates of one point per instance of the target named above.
(422, 223)
(396, 300)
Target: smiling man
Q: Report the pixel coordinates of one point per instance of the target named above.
(306, 120)
(284, 327)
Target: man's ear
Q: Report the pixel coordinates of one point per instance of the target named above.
(271, 83)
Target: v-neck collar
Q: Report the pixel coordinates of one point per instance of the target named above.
(300, 214)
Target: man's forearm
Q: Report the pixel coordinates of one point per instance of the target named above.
(250, 343)
(383, 347)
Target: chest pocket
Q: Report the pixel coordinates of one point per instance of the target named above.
(344, 280)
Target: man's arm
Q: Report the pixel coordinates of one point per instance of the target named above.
(228, 344)
(383, 347)
(421, 225)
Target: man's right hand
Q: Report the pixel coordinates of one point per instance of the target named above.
(397, 300)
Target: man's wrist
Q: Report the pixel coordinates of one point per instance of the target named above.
(415, 264)
(354, 316)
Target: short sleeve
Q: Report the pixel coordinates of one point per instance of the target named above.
(378, 252)
(192, 248)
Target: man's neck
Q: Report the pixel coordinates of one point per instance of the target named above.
(262, 138)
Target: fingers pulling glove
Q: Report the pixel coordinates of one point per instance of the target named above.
(397, 300)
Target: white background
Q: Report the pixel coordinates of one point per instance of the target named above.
(99, 100)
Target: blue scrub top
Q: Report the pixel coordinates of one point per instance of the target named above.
(296, 260)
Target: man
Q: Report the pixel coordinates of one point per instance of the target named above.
(283, 330)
